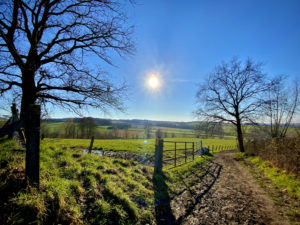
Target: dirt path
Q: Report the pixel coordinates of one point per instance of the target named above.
(228, 194)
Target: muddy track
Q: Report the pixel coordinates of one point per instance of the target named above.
(227, 194)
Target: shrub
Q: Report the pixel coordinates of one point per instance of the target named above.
(281, 152)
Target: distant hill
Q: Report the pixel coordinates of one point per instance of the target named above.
(132, 122)
(141, 123)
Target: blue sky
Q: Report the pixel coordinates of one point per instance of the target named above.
(182, 41)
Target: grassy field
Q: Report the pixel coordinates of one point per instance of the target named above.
(132, 145)
(77, 188)
(135, 131)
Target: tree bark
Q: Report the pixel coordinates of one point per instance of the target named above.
(240, 136)
(30, 115)
(32, 133)
(28, 91)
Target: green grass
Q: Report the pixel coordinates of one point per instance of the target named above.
(82, 188)
(279, 178)
(85, 188)
(131, 145)
(284, 188)
(76, 187)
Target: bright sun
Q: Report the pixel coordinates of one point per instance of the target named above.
(153, 82)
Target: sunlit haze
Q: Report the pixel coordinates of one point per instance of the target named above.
(153, 82)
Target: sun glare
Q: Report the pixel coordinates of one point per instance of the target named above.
(153, 82)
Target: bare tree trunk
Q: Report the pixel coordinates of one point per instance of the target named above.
(240, 136)
(28, 90)
(30, 115)
(32, 133)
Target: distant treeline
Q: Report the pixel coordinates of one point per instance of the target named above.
(131, 123)
(108, 129)
(85, 128)
(97, 121)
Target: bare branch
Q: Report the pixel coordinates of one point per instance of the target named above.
(232, 94)
(45, 44)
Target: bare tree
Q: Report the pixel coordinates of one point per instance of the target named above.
(126, 133)
(87, 127)
(281, 106)
(70, 128)
(147, 129)
(45, 131)
(44, 46)
(232, 94)
(158, 133)
(115, 132)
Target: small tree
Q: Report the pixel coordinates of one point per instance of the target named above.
(115, 132)
(232, 94)
(159, 133)
(45, 131)
(280, 106)
(70, 128)
(147, 129)
(87, 127)
(126, 133)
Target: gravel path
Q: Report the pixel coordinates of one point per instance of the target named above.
(228, 194)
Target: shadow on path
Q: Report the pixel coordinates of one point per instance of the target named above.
(163, 211)
(208, 179)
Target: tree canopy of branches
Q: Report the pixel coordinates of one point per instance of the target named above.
(232, 94)
(47, 51)
(280, 106)
(45, 44)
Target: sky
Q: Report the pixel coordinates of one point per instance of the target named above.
(182, 41)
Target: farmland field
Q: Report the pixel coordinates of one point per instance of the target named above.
(131, 145)
(131, 130)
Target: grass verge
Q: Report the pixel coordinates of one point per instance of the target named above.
(282, 187)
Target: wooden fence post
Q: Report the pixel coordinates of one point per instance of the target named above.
(185, 152)
(91, 144)
(32, 132)
(158, 158)
(175, 155)
(201, 148)
(193, 151)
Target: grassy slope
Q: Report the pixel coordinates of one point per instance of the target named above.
(79, 188)
(76, 188)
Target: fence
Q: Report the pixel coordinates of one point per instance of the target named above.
(173, 153)
(180, 154)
